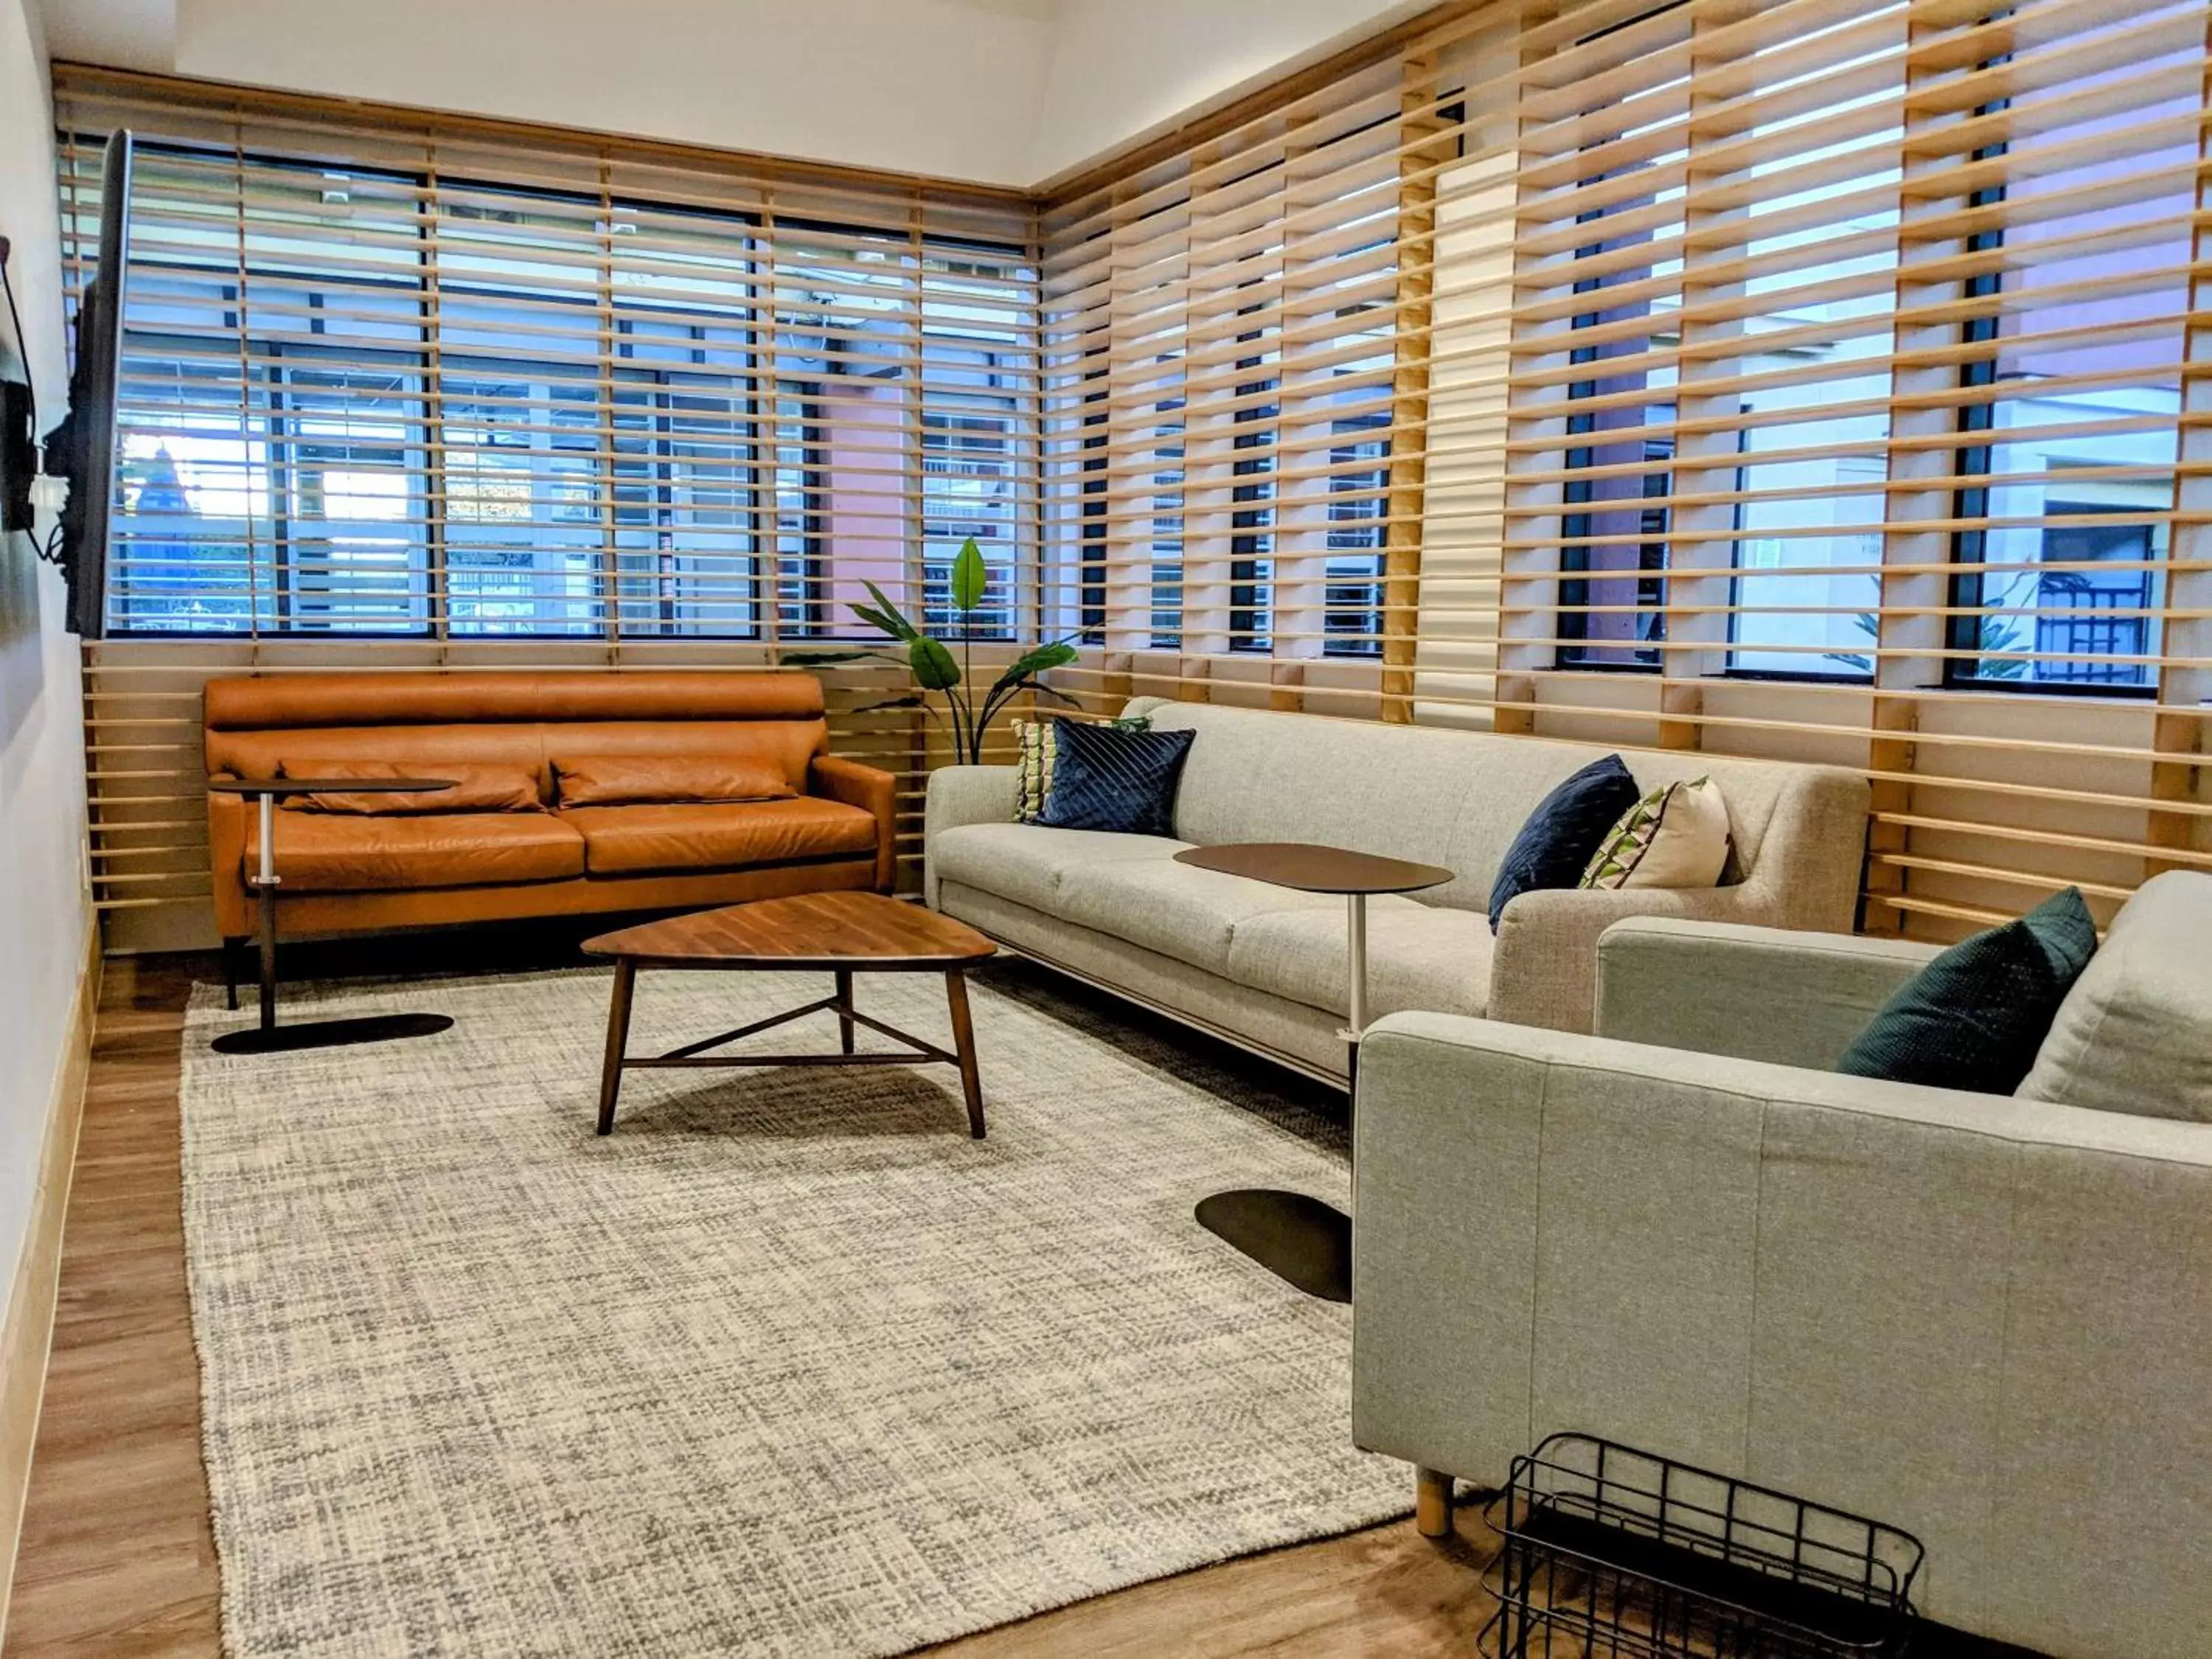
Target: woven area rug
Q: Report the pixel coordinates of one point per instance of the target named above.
(787, 1365)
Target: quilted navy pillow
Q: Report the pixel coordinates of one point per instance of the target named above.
(1556, 844)
(1974, 1017)
(1107, 779)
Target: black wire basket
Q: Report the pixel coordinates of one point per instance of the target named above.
(1615, 1553)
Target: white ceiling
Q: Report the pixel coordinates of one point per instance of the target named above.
(1002, 92)
(140, 34)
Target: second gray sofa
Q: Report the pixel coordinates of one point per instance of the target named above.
(1265, 967)
(1986, 1319)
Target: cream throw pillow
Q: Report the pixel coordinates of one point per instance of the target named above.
(2134, 1033)
(1675, 836)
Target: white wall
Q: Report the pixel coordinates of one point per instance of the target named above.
(935, 87)
(1123, 69)
(44, 913)
(1000, 92)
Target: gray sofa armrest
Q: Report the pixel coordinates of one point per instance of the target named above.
(1544, 970)
(960, 795)
(1755, 992)
(1957, 1312)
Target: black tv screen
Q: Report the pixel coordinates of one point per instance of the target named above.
(82, 449)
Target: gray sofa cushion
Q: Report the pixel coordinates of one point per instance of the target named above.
(1028, 863)
(1289, 944)
(1419, 956)
(1178, 910)
(2135, 1034)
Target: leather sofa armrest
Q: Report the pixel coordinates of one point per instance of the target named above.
(871, 789)
(227, 821)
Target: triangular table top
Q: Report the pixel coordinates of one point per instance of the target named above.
(818, 930)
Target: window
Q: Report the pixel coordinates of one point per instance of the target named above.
(1809, 331)
(1221, 343)
(979, 456)
(2074, 380)
(1623, 337)
(373, 402)
(1725, 501)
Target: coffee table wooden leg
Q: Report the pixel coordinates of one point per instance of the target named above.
(617, 1043)
(844, 1009)
(963, 1044)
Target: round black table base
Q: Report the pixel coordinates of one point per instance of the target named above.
(330, 1033)
(1298, 1239)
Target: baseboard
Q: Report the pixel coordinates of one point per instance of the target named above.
(27, 1336)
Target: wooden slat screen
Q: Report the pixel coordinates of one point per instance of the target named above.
(1794, 377)
(399, 391)
(1805, 379)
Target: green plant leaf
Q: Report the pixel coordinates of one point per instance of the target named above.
(877, 620)
(1036, 662)
(886, 615)
(933, 666)
(912, 700)
(971, 577)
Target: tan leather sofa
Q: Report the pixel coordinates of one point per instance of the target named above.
(342, 872)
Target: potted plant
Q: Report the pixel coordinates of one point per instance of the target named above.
(938, 672)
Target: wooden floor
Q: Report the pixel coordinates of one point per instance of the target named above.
(117, 1560)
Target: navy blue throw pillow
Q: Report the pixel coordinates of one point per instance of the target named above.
(1974, 1017)
(1107, 779)
(1555, 846)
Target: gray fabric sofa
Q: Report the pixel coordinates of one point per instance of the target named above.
(1265, 967)
(1987, 1319)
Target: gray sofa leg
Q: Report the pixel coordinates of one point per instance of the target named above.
(1432, 1503)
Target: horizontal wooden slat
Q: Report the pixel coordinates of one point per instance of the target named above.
(1828, 313)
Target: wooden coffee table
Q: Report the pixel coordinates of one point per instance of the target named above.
(844, 933)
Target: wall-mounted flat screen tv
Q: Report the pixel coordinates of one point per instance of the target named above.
(82, 448)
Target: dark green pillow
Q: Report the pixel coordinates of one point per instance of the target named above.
(1974, 1017)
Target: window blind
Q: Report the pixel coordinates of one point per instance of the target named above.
(1793, 378)
(1806, 379)
(1221, 347)
(402, 390)
(414, 383)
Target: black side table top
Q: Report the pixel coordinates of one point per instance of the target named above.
(1312, 869)
(281, 786)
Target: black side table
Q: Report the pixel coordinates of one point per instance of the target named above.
(270, 1037)
(1292, 1235)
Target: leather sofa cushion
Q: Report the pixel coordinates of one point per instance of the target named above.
(718, 834)
(478, 787)
(341, 851)
(614, 780)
